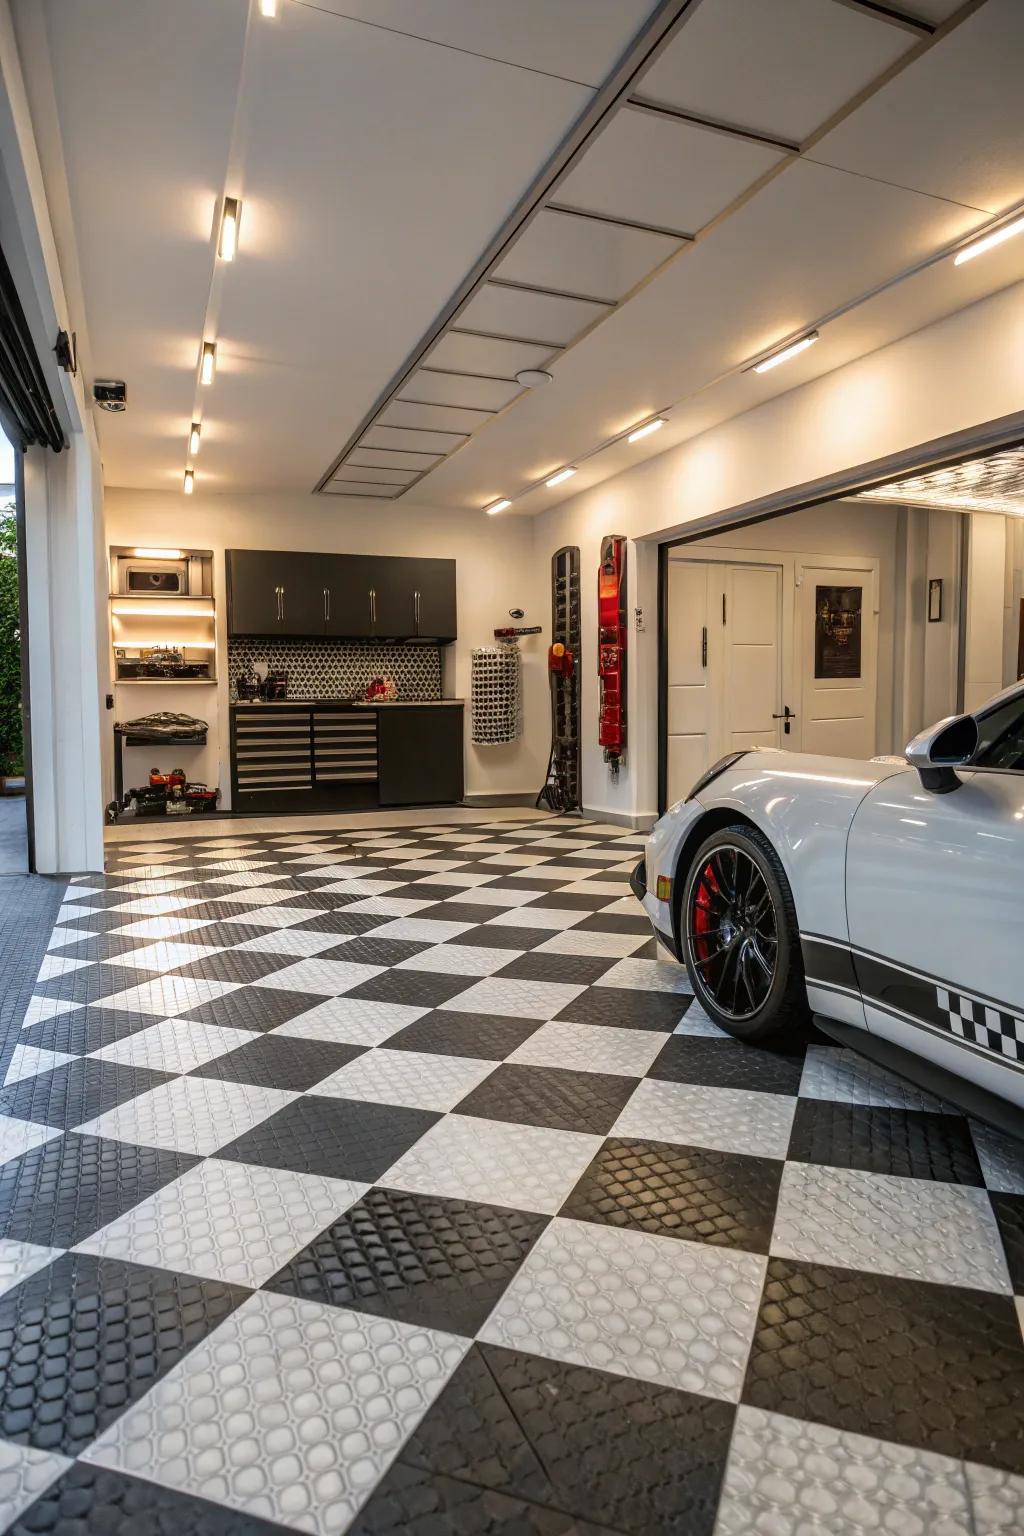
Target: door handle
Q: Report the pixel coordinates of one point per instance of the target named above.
(787, 717)
(704, 646)
(327, 604)
(279, 594)
(373, 606)
(416, 610)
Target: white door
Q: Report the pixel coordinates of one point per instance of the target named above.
(837, 649)
(724, 664)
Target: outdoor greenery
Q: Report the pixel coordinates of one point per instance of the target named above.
(10, 648)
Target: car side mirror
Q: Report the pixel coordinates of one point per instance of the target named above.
(937, 752)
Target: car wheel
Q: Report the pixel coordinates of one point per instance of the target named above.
(739, 936)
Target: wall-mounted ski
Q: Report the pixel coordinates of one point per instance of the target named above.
(561, 791)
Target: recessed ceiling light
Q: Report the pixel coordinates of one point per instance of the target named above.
(228, 243)
(157, 554)
(987, 242)
(563, 474)
(193, 439)
(209, 363)
(532, 378)
(783, 356)
(190, 481)
(268, 8)
(645, 431)
(498, 506)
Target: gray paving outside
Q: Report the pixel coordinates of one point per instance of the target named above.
(13, 837)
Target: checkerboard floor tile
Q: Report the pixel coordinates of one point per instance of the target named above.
(393, 1181)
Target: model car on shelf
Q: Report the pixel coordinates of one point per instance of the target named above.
(885, 898)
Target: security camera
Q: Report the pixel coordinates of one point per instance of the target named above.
(110, 394)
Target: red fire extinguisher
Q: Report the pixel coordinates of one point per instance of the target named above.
(611, 649)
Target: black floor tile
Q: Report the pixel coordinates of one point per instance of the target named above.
(501, 936)
(551, 1096)
(215, 934)
(341, 1138)
(419, 989)
(573, 901)
(908, 1143)
(934, 1366)
(615, 922)
(627, 1009)
(85, 1337)
(1009, 1211)
(77, 1091)
(241, 965)
(728, 1064)
(57, 1194)
(724, 1198)
(276, 1061)
(447, 1033)
(413, 1502)
(94, 982)
(582, 970)
(256, 1007)
(92, 1501)
(371, 951)
(642, 1459)
(420, 1258)
(342, 921)
(95, 947)
(464, 912)
(87, 1029)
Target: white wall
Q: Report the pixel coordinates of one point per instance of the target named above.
(986, 605)
(495, 571)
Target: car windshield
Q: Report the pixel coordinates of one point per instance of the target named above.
(1001, 742)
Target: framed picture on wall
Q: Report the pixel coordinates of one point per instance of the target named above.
(837, 616)
(935, 600)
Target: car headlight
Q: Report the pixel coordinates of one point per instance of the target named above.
(712, 773)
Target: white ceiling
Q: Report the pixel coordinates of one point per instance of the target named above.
(379, 152)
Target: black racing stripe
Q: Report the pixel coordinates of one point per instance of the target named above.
(892, 987)
(830, 964)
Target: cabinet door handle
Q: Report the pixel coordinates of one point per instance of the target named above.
(279, 594)
(416, 610)
(704, 646)
(373, 606)
(327, 605)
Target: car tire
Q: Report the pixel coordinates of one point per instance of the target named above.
(737, 917)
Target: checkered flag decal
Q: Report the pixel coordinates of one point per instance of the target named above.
(982, 1025)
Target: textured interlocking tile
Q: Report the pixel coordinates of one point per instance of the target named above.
(328, 978)
(647, 976)
(189, 1114)
(270, 1061)
(459, 959)
(88, 1500)
(25, 1473)
(18, 1136)
(18, 1260)
(421, 1258)
(552, 918)
(463, 1034)
(339, 1138)
(681, 1314)
(909, 1143)
(551, 1096)
(30, 1060)
(906, 1360)
(415, 1078)
(579, 941)
(76, 1092)
(1001, 1158)
(729, 1119)
(226, 1221)
(785, 1475)
(997, 1499)
(84, 1337)
(587, 1048)
(288, 941)
(175, 1045)
(352, 1021)
(58, 1193)
(515, 999)
(290, 1410)
(843, 1075)
(529, 1167)
(893, 1226)
(696, 1021)
(624, 1008)
(168, 995)
(727, 1063)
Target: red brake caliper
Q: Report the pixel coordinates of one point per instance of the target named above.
(702, 911)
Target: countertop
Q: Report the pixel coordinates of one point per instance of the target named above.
(352, 703)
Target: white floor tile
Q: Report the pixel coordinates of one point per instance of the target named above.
(59, 965)
(584, 941)
(41, 1008)
(166, 955)
(175, 1045)
(391, 906)
(226, 1221)
(165, 996)
(329, 977)
(655, 1308)
(512, 998)
(723, 1119)
(189, 1114)
(495, 1162)
(272, 917)
(351, 1021)
(416, 1079)
(423, 930)
(289, 1410)
(494, 896)
(18, 1136)
(696, 1022)
(460, 960)
(555, 918)
(359, 887)
(788, 1477)
(997, 1499)
(590, 1048)
(646, 976)
(163, 927)
(292, 941)
(25, 1473)
(845, 1077)
(914, 1228)
(17, 1262)
(30, 1060)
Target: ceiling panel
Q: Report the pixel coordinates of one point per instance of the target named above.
(400, 413)
(578, 39)
(369, 492)
(521, 312)
(778, 67)
(583, 256)
(385, 458)
(935, 11)
(379, 476)
(659, 170)
(952, 124)
(459, 389)
(487, 355)
(412, 441)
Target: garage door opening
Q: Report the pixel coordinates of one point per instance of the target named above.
(843, 628)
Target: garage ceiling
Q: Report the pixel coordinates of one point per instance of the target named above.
(993, 483)
(638, 198)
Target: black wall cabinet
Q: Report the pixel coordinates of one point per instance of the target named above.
(355, 597)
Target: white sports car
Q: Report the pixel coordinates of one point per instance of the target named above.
(886, 898)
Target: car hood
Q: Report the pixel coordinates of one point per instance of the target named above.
(854, 773)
